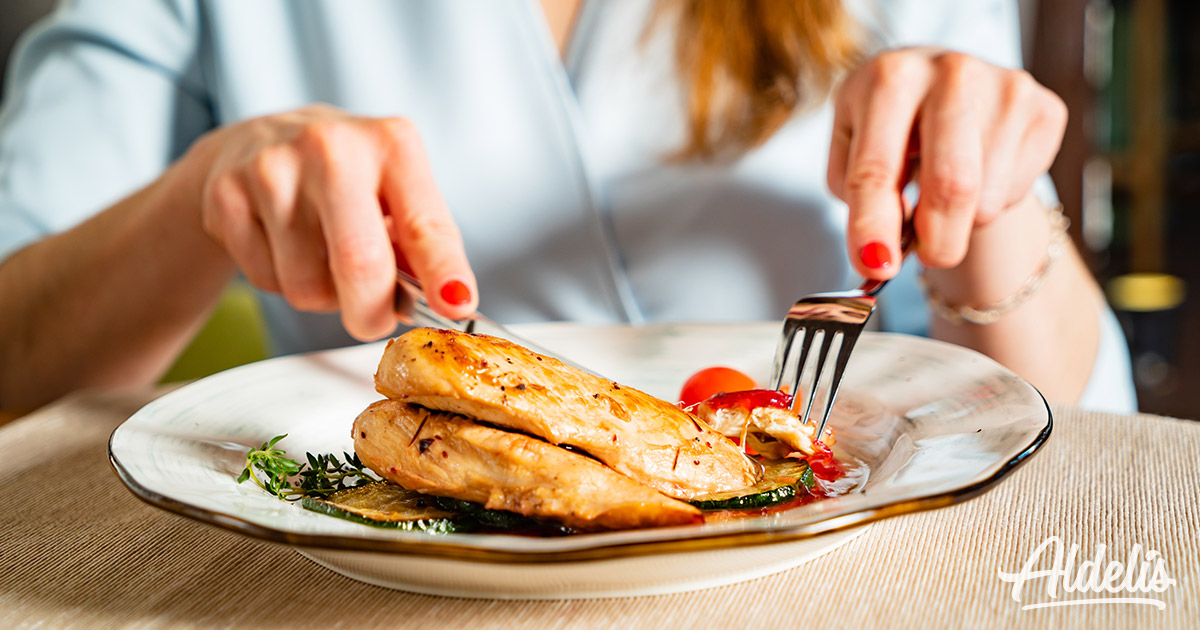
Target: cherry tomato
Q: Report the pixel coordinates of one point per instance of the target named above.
(712, 381)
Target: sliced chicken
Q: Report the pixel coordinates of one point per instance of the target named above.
(447, 455)
(506, 385)
(771, 430)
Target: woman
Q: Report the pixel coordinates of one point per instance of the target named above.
(671, 164)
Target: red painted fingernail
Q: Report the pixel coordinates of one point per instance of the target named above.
(455, 293)
(875, 255)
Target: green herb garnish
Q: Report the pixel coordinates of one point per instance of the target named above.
(290, 480)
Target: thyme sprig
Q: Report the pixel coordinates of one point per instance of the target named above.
(288, 479)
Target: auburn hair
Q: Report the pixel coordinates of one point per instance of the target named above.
(748, 65)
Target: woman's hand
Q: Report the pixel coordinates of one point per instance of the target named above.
(322, 206)
(981, 134)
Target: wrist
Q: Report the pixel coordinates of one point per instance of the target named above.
(178, 200)
(1007, 261)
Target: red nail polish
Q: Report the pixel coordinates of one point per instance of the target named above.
(455, 293)
(875, 255)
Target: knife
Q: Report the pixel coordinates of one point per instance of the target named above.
(413, 310)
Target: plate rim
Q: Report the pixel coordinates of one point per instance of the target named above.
(704, 542)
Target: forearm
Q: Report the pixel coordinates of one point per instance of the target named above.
(111, 302)
(1051, 339)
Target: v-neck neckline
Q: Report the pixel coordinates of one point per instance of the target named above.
(572, 21)
(562, 74)
(572, 53)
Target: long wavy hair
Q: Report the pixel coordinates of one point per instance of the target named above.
(749, 65)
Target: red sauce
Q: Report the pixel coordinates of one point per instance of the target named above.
(823, 463)
(749, 400)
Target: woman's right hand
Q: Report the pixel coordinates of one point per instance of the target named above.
(322, 206)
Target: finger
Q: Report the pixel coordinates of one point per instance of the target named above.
(228, 218)
(293, 231)
(401, 261)
(1020, 144)
(343, 190)
(248, 247)
(1041, 141)
(1000, 171)
(839, 145)
(951, 167)
(878, 161)
(423, 226)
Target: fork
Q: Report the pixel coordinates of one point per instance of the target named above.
(830, 316)
(413, 310)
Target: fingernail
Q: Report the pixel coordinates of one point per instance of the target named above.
(455, 293)
(875, 255)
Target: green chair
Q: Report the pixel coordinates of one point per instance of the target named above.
(234, 335)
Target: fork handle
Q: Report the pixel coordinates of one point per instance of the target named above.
(908, 239)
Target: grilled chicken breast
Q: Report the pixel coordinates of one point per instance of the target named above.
(506, 385)
(447, 455)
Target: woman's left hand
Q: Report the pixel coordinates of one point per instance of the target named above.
(981, 134)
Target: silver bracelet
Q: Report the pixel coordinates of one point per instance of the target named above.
(989, 314)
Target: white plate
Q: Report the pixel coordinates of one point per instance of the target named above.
(934, 423)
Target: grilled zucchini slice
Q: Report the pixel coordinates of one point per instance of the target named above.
(783, 480)
(385, 504)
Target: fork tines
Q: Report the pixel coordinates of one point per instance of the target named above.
(834, 320)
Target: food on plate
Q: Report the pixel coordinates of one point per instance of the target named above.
(480, 434)
(762, 420)
(711, 381)
(449, 455)
(784, 480)
(498, 382)
(387, 505)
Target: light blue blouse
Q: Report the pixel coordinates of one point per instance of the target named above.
(553, 169)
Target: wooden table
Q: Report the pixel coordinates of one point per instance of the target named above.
(79, 550)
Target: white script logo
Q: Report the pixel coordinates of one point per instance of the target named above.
(1141, 573)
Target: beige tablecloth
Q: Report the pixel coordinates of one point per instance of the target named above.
(78, 550)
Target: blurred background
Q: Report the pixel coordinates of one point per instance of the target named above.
(1129, 171)
(1128, 175)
